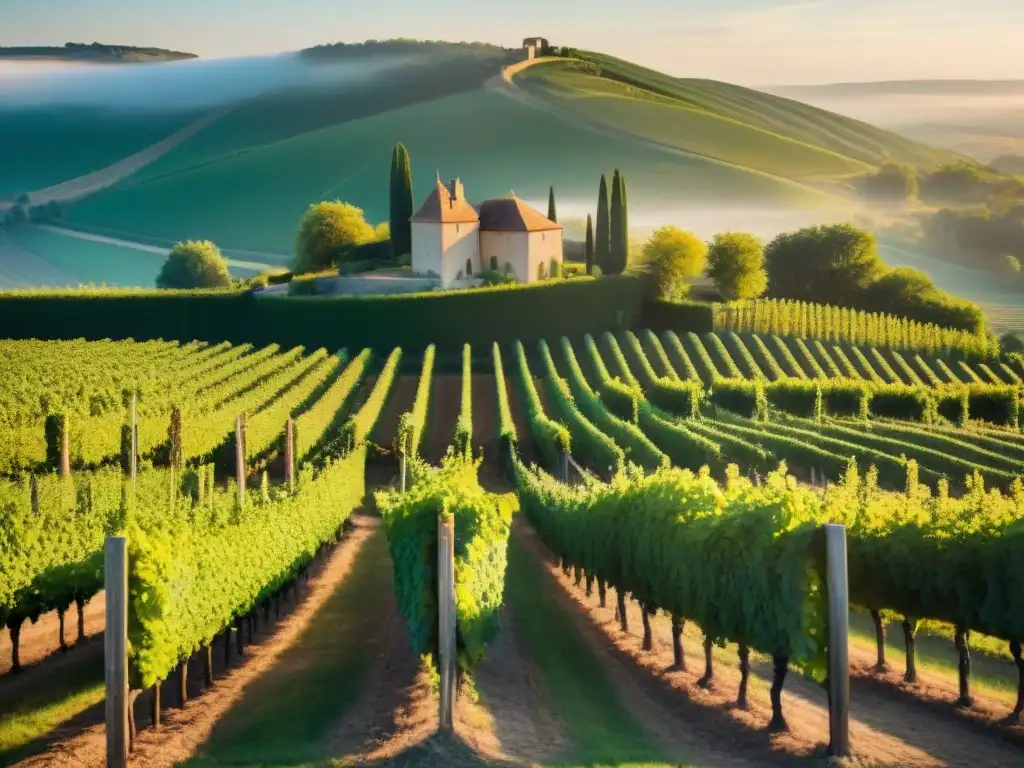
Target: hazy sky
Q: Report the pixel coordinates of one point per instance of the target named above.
(745, 41)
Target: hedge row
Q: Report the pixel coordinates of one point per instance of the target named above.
(411, 321)
(694, 316)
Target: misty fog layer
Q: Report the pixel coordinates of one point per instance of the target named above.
(178, 85)
(704, 221)
(893, 110)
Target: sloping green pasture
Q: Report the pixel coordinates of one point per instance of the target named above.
(254, 199)
(677, 124)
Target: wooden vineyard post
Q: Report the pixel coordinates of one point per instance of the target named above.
(65, 450)
(402, 471)
(289, 454)
(115, 649)
(33, 485)
(565, 467)
(446, 616)
(134, 461)
(838, 641)
(240, 458)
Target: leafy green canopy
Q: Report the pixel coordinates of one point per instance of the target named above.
(194, 264)
(831, 264)
(482, 525)
(737, 560)
(202, 564)
(931, 556)
(839, 264)
(551, 437)
(53, 556)
(412, 423)
(674, 258)
(810, 319)
(464, 425)
(592, 446)
(736, 264)
(326, 231)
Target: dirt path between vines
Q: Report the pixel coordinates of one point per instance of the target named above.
(517, 404)
(40, 642)
(688, 740)
(513, 720)
(884, 730)
(485, 419)
(185, 730)
(399, 400)
(933, 693)
(443, 411)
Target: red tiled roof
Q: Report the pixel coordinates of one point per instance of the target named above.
(510, 214)
(440, 207)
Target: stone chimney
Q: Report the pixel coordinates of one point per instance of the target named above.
(456, 190)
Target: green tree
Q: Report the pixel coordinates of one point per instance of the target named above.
(829, 264)
(589, 252)
(674, 257)
(194, 264)
(401, 201)
(618, 249)
(327, 231)
(1011, 342)
(16, 214)
(602, 227)
(910, 293)
(552, 213)
(736, 264)
(891, 183)
(957, 183)
(624, 219)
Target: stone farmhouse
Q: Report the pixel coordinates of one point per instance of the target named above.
(534, 45)
(455, 240)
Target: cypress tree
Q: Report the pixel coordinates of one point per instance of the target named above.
(393, 211)
(552, 213)
(624, 217)
(618, 252)
(590, 245)
(615, 225)
(602, 227)
(401, 201)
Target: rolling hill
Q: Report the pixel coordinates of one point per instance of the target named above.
(693, 150)
(806, 125)
(94, 52)
(977, 118)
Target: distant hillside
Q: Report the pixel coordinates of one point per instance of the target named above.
(396, 45)
(727, 122)
(97, 52)
(904, 88)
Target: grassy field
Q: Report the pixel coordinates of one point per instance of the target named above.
(46, 145)
(1003, 307)
(787, 118)
(281, 115)
(679, 124)
(44, 707)
(88, 262)
(254, 199)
